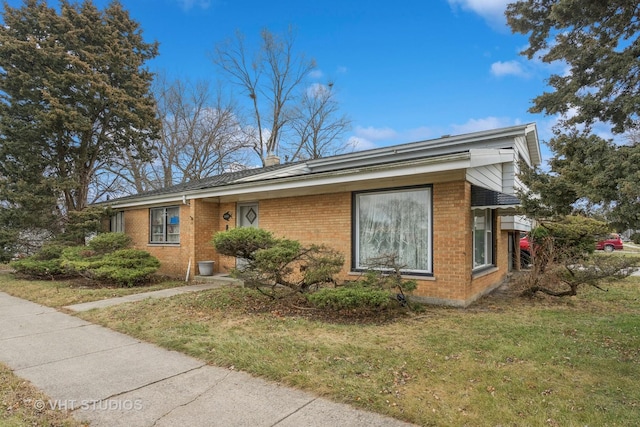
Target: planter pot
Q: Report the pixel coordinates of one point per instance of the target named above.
(205, 268)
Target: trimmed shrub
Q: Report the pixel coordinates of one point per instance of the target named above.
(50, 251)
(391, 281)
(104, 260)
(76, 259)
(635, 238)
(271, 261)
(350, 297)
(39, 268)
(243, 242)
(575, 235)
(109, 242)
(125, 267)
(46, 263)
(563, 258)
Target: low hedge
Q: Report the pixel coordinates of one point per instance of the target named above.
(39, 268)
(105, 259)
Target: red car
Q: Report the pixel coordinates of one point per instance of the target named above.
(525, 251)
(610, 244)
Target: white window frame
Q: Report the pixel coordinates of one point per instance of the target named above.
(482, 238)
(164, 225)
(422, 231)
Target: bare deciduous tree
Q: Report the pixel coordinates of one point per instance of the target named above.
(318, 124)
(272, 79)
(200, 136)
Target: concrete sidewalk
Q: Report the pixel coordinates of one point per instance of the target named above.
(111, 379)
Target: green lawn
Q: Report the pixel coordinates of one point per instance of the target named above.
(504, 361)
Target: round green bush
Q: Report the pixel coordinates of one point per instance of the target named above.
(125, 267)
(109, 242)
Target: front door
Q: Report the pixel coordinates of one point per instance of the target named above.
(247, 217)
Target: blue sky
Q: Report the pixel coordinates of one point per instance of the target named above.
(404, 71)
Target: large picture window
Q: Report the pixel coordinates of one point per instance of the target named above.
(482, 238)
(396, 222)
(165, 225)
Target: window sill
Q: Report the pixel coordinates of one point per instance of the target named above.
(483, 271)
(404, 276)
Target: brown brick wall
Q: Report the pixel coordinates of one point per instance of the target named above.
(224, 264)
(205, 217)
(451, 242)
(318, 219)
(487, 281)
(173, 258)
(326, 219)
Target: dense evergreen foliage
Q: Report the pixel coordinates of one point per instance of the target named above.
(74, 95)
(599, 42)
(106, 259)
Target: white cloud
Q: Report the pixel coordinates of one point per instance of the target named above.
(491, 10)
(419, 134)
(366, 138)
(375, 134)
(190, 4)
(508, 68)
(487, 123)
(360, 144)
(316, 74)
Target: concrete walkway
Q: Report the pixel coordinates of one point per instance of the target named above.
(111, 379)
(163, 293)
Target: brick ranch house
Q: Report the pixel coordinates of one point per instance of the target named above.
(446, 207)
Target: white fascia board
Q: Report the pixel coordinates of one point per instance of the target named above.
(489, 156)
(533, 144)
(430, 165)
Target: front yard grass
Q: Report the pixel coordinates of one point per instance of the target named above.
(503, 361)
(59, 293)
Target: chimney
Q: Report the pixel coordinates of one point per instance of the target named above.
(271, 160)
